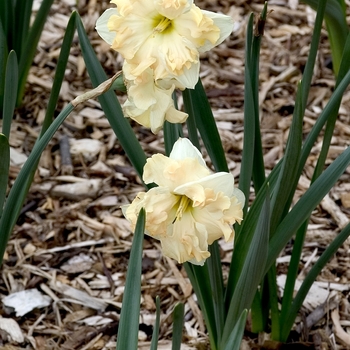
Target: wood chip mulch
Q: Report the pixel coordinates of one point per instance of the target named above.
(69, 251)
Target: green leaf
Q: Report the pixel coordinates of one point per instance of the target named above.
(178, 323)
(258, 171)
(336, 26)
(332, 105)
(3, 60)
(4, 172)
(252, 272)
(200, 280)
(197, 105)
(127, 338)
(10, 93)
(14, 201)
(217, 287)
(110, 104)
(310, 278)
(155, 334)
(60, 72)
(288, 176)
(30, 45)
(303, 208)
(6, 20)
(172, 132)
(23, 11)
(235, 338)
(243, 241)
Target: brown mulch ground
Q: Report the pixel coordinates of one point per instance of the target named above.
(73, 247)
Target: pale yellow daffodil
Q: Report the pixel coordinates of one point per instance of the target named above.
(149, 103)
(164, 35)
(160, 41)
(191, 207)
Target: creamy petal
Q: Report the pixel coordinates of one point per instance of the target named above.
(183, 148)
(173, 8)
(190, 76)
(102, 26)
(171, 173)
(220, 182)
(149, 104)
(160, 207)
(186, 240)
(224, 23)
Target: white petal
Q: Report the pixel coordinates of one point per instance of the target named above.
(102, 27)
(183, 148)
(225, 24)
(190, 77)
(239, 195)
(219, 182)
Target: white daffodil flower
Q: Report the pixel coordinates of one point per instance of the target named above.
(164, 35)
(191, 207)
(150, 104)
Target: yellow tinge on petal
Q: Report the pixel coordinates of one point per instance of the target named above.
(191, 207)
(168, 34)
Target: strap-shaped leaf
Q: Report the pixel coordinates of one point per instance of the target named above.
(303, 208)
(309, 280)
(23, 11)
(336, 26)
(155, 334)
(14, 201)
(252, 272)
(4, 172)
(200, 280)
(235, 338)
(127, 338)
(3, 60)
(178, 323)
(10, 92)
(197, 104)
(30, 46)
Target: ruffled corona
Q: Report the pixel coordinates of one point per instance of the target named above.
(160, 41)
(164, 35)
(191, 207)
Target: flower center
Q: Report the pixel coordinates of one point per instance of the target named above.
(164, 24)
(184, 203)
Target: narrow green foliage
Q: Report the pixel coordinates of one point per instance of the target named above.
(3, 60)
(23, 11)
(172, 132)
(127, 338)
(155, 334)
(288, 175)
(252, 272)
(249, 119)
(244, 241)
(217, 287)
(10, 93)
(190, 108)
(4, 170)
(234, 340)
(60, 71)
(178, 323)
(336, 26)
(303, 208)
(14, 201)
(30, 43)
(309, 280)
(200, 280)
(197, 104)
